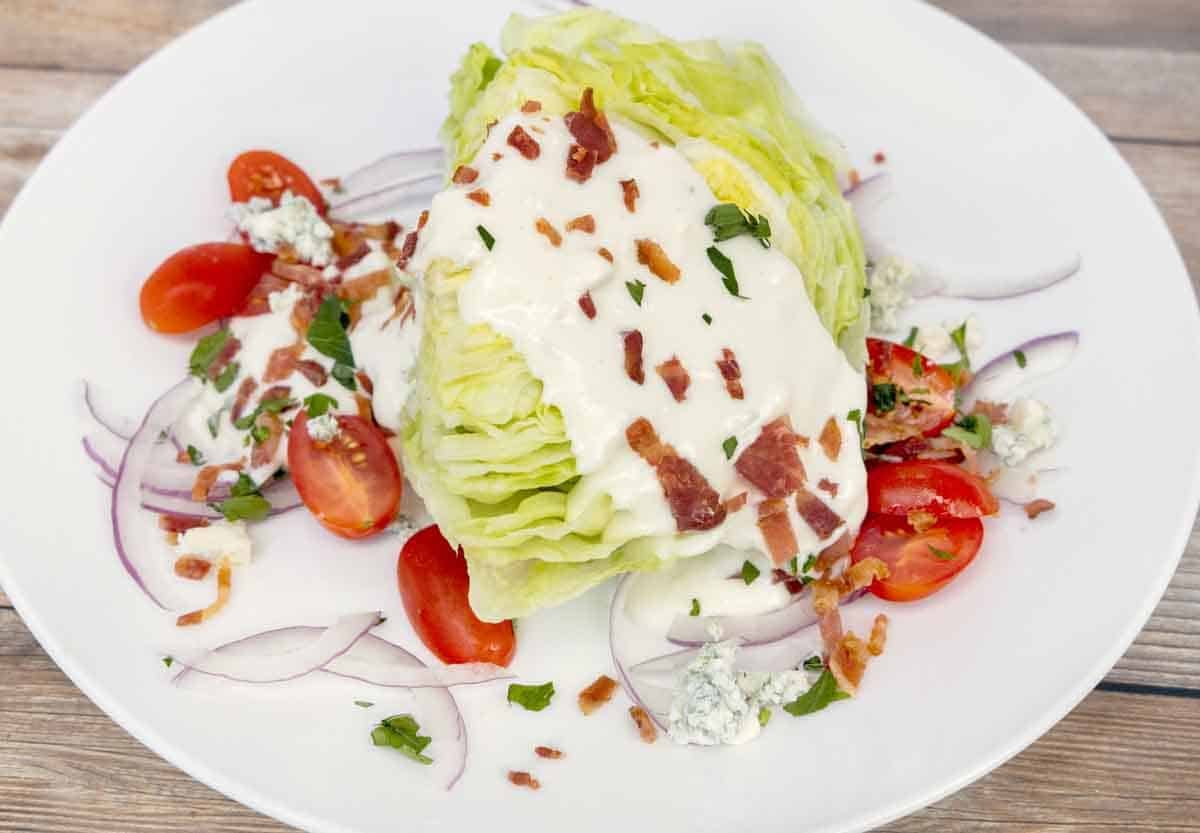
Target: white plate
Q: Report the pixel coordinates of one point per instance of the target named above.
(970, 677)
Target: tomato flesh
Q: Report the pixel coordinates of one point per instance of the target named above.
(352, 484)
(199, 285)
(924, 394)
(434, 587)
(943, 489)
(264, 173)
(919, 563)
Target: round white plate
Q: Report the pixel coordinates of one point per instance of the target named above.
(970, 676)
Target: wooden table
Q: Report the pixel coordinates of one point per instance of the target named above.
(1128, 758)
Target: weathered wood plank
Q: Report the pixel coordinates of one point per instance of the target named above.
(1163, 24)
(21, 149)
(1172, 176)
(48, 99)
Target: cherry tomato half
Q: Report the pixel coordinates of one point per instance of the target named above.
(908, 395)
(919, 563)
(200, 284)
(263, 173)
(352, 484)
(943, 489)
(433, 586)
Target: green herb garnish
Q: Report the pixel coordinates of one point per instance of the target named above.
(942, 555)
(401, 733)
(729, 446)
(531, 697)
(809, 563)
(814, 663)
(225, 377)
(725, 266)
(866, 292)
(245, 508)
(764, 716)
(959, 336)
(1020, 357)
(728, 221)
(883, 397)
(168, 661)
(206, 351)
(706, 318)
(195, 456)
(856, 417)
(918, 366)
(975, 430)
(259, 434)
(327, 332)
(317, 404)
(695, 611)
(749, 572)
(344, 374)
(823, 692)
(636, 290)
(363, 704)
(794, 565)
(486, 237)
(911, 338)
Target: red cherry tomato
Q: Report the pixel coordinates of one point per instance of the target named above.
(200, 284)
(920, 404)
(352, 484)
(919, 563)
(433, 586)
(943, 489)
(263, 173)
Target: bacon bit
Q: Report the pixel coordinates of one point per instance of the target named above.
(181, 456)
(605, 253)
(480, 196)
(172, 538)
(381, 231)
(313, 371)
(587, 305)
(822, 520)
(282, 362)
(403, 308)
(224, 582)
(676, 376)
(736, 503)
(364, 288)
(523, 779)
(531, 106)
(179, 523)
(597, 694)
(347, 238)
(1037, 507)
(825, 599)
(652, 256)
(630, 193)
(655, 144)
(407, 250)
(580, 163)
(848, 662)
(731, 372)
(828, 558)
(694, 503)
(346, 261)
(222, 360)
(855, 178)
(423, 219)
(645, 726)
(996, 412)
(921, 521)
(496, 157)
(880, 157)
(333, 183)
(364, 382)
(525, 144)
(878, 639)
(771, 462)
(301, 273)
(304, 311)
(633, 356)
(207, 477)
(276, 392)
(831, 439)
(777, 530)
(547, 752)
(464, 175)
(548, 231)
(264, 452)
(827, 485)
(244, 392)
(364, 407)
(861, 574)
(257, 302)
(590, 128)
(192, 568)
(536, 129)
(585, 223)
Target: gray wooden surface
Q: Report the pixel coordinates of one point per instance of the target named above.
(1127, 759)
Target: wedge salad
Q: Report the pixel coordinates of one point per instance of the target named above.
(635, 336)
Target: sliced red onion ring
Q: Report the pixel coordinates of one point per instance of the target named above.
(139, 555)
(1000, 377)
(110, 423)
(783, 655)
(619, 638)
(748, 630)
(389, 181)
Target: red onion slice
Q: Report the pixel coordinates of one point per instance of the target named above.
(748, 630)
(619, 639)
(783, 655)
(390, 181)
(1000, 377)
(109, 422)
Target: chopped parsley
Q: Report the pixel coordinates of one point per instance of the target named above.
(866, 292)
(764, 716)
(531, 697)
(918, 366)
(637, 289)
(194, 455)
(814, 663)
(226, 377)
(486, 237)
(317, 404)
(725, 266)
(883, 397)
(794, 565)
(856, 417)
(206, 351)
(959, 336)
(729, 446)
(728, 221)
(168, 661)
(259, 434)
(327, 333)
(749, 572)
(975, 430)
(942, 555)
(1020, 357)
(245, 501)
(911, 338)
(402, 733)
(275, 406)
(344, 374)
(695, 611)
(706, 318)
(214, 422)
(823, 692)
(363, 704)
(809, 563)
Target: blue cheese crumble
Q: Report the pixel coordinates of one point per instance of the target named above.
(1028, 430)
(323, 429)
(889, 282)
(294, 223)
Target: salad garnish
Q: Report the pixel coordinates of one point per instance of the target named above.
(532, 698)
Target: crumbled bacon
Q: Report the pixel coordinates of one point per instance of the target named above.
(855, 178)
(652, 256)
(878, 639)
(597, 694)
(364, 407)
(831, 439)
(480, 196)
(333, 183)
(364, 382)
(304, 311)
(548, 231)
(548, 752)
(827, 485)
(736, 503)
(822, 520)
(996, 412)
(1037, 507)
(825, 602)
(777, 530)
(276, 392)
(531, 106)
(301, 273)
(228, 350)
(828, 558)
(525, 144)
(464, 175)
(206, 478)
(585, 223)
(224, 583)
(347, 237)
(580, 163)
(694, 503)
(264, 452)
(407, 250)
(731, 372)
(605, 253)
(423, 219)
(647, 731)
(244, 392)
(180, 523)
(633, 356)
(587, 305)
(282, 362)
(630, 194)
(880, 157)
(192, 568)
(848, 662)
(676, 376)
(257, 302)
(403, 308)
(590, 128)
(381, 231)
(365, 287)
(496, 157)
(523, 779)
(313, 371)
(861, 574)
(790, 583)
(771, 462)
(347, 260)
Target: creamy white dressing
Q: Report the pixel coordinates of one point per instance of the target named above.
(528, 290)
